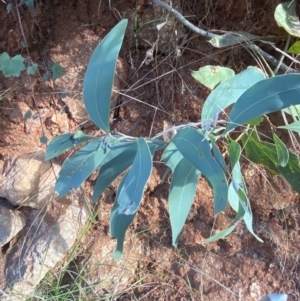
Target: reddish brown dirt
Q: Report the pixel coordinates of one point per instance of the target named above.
(236, 268)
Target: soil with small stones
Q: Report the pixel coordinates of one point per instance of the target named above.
(236, 268)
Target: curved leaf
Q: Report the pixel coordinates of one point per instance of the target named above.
(218, 156)
(237, 179)
(196, 150)
(233, 38)
(182, 192)
(294, 126)
(267, 96)
(286, 17)
(65, 141)
(92, 156)
(229, 91)
(98, 80)
(171, 156)
(282, 151)
(119, 222)
(111, 170)
(211, 76)
(132, 191)
(220, 234)
(237, 194)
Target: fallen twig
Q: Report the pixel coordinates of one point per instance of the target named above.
(211, 35)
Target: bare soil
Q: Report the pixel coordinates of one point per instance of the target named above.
(236, 268)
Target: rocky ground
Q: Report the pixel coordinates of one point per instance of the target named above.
(63, 245)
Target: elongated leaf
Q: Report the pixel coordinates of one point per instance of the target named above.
(264, 153)
(98, 80)
(259, 153)
(286, 17)
(248, 217)
(221, 234)
(294, 111)
(171, 156)
(233, 38)
(133, 189)
(218, 156)
(282, 151)
(119, 222)
(111, 170)
(267, 96)
(65, 141)
(116, 166)
(77, 168)
(228, 92)
(237, 179)
(196, 150)
(294, 126)
(237, 193)
(182, 192)
(211, 76)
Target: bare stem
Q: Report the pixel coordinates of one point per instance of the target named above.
(210, 35)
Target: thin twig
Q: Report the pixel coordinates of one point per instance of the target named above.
(211, 35)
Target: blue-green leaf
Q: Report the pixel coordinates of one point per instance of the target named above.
(237, 194)
(218, 156)
(182, 192)
(294, 126)
(282, 151)
(63, 142)
(119, 222)
(227, 231)
(57, 71)
(112, 169)
(31, 70)
(92, 156)
(132, 191)
(237, 181)
(43, 139)
(267, 96)
(221, 234)
(98, 80)
(196, 150)
(228, 92)
(27, 115)
(11, 66)
(171, 156)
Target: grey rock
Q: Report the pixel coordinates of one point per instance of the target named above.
(50, 236)
(28, 180)
(11, 223)
(105, 272)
